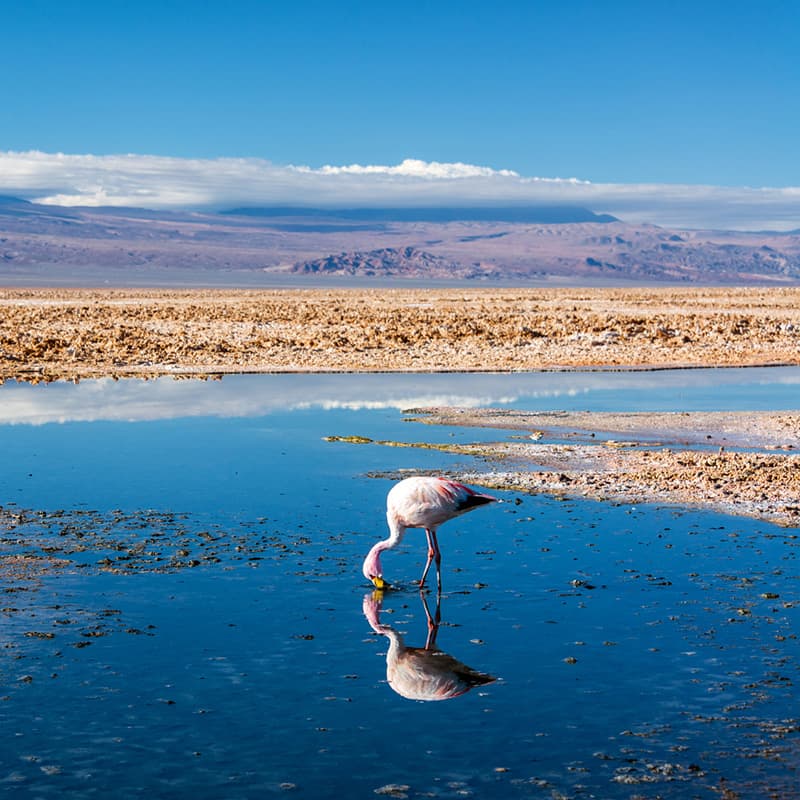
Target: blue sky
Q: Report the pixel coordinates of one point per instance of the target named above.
(607, 92)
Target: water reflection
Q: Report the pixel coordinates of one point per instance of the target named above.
(254, 395)
(422, 673)
(111, 689)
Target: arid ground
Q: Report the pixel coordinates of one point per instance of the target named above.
(50, 334)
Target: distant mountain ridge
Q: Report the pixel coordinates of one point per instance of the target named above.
(298, 245)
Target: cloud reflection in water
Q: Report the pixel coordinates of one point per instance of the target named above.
(256, 395)
(247, 396)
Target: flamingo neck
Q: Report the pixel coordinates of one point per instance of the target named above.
(372, 563)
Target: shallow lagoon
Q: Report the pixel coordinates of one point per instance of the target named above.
(193, 623)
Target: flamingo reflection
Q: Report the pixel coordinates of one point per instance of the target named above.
(422, 673)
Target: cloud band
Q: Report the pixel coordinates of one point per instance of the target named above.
(166, 182)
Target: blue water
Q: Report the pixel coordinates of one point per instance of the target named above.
(189, 621)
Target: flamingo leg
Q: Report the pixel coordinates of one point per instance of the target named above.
(438, 558)
(433, 554)
(433, 623)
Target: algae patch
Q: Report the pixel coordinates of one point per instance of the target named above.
(460, 449)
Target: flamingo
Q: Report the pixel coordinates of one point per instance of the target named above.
(421, 502)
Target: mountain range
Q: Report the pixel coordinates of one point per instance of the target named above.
(257, 246)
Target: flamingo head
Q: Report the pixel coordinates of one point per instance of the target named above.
(372, 568)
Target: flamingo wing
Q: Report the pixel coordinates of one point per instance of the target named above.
(424, 502)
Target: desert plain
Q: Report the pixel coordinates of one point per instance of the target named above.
(69, 334)
(739, 462)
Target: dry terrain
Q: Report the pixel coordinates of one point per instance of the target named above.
(49, 334)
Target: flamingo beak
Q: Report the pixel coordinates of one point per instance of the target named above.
(379, 582)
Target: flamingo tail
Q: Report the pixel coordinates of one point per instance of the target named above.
(474, 500)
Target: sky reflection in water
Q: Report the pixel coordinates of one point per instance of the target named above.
(197, 624)
(256, 395)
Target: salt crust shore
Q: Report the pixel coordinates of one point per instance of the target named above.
(63, 334)
(739, 463)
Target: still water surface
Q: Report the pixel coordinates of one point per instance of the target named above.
(190, 619)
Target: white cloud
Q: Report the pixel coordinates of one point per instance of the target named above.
(165, 182)
(414, 168)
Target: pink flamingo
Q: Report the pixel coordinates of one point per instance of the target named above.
(421, 502)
